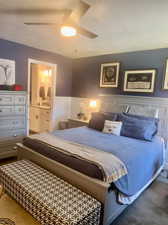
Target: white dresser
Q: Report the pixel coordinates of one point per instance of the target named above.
(13, 121)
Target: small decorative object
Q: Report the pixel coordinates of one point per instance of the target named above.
(17, 87)
(139, 80)
(5, 87)
(7, 72)
(109, 74)
(165, 83)
(80, 115)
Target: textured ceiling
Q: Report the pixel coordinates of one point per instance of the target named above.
(122, 25)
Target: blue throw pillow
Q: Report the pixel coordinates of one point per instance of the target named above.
(137, 127)
(98, 119)
(152, 119)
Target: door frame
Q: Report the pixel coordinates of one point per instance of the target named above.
(54, 66)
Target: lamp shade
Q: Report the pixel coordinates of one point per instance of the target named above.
(93, 103)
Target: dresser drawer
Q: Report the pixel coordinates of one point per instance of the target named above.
(20, 110)
(12, 133)
(12, 123)
(6, 100)
(20, 100)
(7, 110)
(12, 110)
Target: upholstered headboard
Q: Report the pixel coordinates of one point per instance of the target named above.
(149, 106)
(144, 110)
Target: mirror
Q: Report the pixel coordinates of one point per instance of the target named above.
(41, 81)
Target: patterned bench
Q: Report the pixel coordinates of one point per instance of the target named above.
(49, 199)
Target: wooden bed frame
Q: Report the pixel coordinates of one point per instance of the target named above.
(97, 189)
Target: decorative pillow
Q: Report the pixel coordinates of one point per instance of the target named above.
(112, 127)
(152, 119)
(98, 118)
(136, 127)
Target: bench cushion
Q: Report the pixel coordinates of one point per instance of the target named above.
(49, 199)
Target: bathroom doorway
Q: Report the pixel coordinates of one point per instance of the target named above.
(41, 93)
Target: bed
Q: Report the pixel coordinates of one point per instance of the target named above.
(143, 159)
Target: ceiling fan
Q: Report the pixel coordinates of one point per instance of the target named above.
(69, 25)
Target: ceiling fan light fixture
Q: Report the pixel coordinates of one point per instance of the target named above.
(68, 31)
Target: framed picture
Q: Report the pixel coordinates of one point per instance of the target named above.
(7, 72)
(109, 74)
(165, 82)
(139, 80)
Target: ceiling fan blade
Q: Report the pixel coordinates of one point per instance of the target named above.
(79, 11)
(85, 32)
(83, 8)
(43, 24)
(36, 11)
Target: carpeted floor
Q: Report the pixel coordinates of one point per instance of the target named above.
(150, 209)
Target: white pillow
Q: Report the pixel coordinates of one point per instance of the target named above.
(112, 127)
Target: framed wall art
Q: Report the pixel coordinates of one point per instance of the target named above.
(109, 74)
(165, 81)
(7, 72)
(139, 80)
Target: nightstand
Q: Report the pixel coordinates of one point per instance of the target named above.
(72, 123)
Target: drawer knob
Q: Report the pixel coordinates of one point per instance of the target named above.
(0, 110)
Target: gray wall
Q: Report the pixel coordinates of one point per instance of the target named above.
(86, 72)
(84, 82)
(21, 53)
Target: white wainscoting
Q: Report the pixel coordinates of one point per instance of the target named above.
(79, 105)
(61, 110)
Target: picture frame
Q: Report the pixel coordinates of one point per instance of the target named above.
(7, 72)
(109, 74)
(165, 81)
(140, 80)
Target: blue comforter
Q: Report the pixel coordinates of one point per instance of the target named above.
(142, 158)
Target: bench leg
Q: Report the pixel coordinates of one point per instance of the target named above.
(2, 191)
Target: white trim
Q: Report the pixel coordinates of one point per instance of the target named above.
(140, 71)
(54, 66)
(117, 72)
(165, 85)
